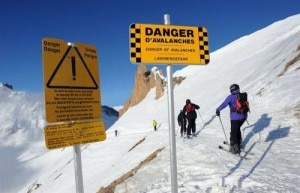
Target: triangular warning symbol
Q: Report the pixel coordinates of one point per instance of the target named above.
(72, 72)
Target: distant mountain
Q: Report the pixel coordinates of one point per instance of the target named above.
(21, 110)
(109, 116)
(6, 85)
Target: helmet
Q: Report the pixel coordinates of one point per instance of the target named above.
(188, 101)
(234, 88)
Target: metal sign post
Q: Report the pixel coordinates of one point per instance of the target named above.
(173, 157)
(72, 98)
(168, 44)
(78, 168)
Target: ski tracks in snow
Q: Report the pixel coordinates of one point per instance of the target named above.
(213, 170)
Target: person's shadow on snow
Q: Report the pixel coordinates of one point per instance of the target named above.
(262, 123)
(205, 124)
(273, 136)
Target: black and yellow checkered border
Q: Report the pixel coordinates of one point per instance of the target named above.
(203, 45)
(135, 44)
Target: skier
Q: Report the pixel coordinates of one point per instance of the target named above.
(189, 110)
(154, 122)
(182, 123)
(116, 133)
(236, 119)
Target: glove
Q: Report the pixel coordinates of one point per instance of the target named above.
(217, 112)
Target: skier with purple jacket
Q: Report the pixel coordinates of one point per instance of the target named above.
(236, 119)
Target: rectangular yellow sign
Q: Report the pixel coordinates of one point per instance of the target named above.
(71, 81)
(168, 44)
(74, 133)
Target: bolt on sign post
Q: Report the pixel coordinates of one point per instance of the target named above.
(168, 44)
(72, 98)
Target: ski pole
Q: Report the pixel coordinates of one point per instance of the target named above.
(200, 116)
(223, 130)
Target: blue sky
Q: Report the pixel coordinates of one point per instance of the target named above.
(105, 24)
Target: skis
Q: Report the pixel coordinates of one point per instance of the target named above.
(242, 155)
(238, 155)
(188, 138)
(242, 148)
(185, 138)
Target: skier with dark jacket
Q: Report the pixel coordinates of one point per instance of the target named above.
(182, 123)
(236, 119)
(189, 110)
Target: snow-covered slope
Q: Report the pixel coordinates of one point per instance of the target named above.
(22, 118)
(265, 64)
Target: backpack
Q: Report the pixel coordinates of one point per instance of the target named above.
(189, 107)
(242, 104)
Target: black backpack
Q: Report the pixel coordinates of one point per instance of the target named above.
(242, 104)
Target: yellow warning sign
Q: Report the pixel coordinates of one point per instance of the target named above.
(71, 81)
(168, 44)
(74, 133)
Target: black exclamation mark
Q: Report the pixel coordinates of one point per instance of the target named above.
(73, 67)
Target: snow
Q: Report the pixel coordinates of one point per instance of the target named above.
(257, 62)
(117, 108)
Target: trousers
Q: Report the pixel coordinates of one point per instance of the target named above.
(235, 132)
